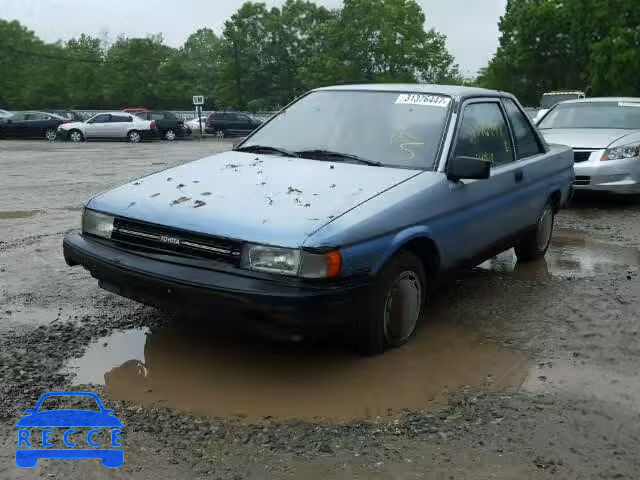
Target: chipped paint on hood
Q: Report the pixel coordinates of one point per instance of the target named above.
(259, 198)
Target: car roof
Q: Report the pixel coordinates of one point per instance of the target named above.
(604, 99)
(451, 90)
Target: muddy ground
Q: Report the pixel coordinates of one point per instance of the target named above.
(520, 371)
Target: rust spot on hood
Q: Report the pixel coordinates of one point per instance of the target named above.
(137, 183)
(205, 194)
(154, 195)
(181, 185)
(199, 203)
(293, 190)
(131, 204)
(169, 179)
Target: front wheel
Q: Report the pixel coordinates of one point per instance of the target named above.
(534, 246)
(75, 136)
(134, 136)
(220, 134)
(170, 135)
(394, 307)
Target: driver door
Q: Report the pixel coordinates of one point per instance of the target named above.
(98, 126)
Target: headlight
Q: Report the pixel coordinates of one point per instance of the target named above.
(292, 262)
(97, 224)
(619, 153)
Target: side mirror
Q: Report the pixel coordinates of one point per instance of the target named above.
(468, 168)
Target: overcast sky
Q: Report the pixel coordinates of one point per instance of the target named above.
(471, 26)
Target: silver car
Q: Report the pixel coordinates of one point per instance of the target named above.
(605, 136)
(109, 125)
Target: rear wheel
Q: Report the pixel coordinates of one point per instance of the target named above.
(50, 134)
(76, 136)
(134, 136)
(170, 135)
(394, 307)
(220, 133)
(534, 246)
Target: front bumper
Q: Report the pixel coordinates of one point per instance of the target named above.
(615, 176)
(163, 281)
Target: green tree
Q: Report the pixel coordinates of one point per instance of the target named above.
(84, 72)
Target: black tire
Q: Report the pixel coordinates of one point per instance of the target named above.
(134, 136)
(372, 334)
(50, 134)
(75, 136)
(535, 244)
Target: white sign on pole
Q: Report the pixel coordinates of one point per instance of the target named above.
(198, 100)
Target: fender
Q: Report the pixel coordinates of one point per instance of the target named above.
(397, 242)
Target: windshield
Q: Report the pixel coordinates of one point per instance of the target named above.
(549, 101)
(622, 115)
(394, 129)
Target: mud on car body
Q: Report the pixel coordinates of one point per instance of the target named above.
(345, 208)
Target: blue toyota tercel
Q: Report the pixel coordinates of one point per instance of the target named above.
(345, 208)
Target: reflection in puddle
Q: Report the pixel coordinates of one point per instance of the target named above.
(214, 376)
(18, 214)
(571, 254)
(585, 381)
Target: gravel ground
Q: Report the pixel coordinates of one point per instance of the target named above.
(522, 371)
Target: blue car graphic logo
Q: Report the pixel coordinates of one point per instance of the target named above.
(32, 448)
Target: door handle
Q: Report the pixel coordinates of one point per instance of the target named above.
(519, 176)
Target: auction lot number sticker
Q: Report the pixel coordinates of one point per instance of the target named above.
(422, 99)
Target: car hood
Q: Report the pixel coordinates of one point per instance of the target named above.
(69, 418)
(261, 198)
(596, 138)
(70, 125)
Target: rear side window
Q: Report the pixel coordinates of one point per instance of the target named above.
(527, 143)
(157, 116)
(120, 118)
(484, 134)
(219, 116)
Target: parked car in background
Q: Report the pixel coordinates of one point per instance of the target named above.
(4, 113)
(605, 136)
(227, 124)
(31, 125)
(71, 115)
(194, 123)
(344, 210)
(109, 125)
(169, 126)
(135, 110)
(550, 99)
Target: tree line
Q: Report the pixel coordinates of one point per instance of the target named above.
(588, 45)
(263, 58)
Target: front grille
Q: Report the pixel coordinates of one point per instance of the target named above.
(151, 237)
(581, 155)
(582, 180)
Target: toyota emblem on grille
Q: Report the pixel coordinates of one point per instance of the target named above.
(170, 240)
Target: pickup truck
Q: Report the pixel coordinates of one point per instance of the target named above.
(344, 210)
(169, 126)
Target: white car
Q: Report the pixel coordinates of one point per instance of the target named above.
(109, 125)
(194, 124)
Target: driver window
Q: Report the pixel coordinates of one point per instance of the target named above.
(484, 134)
(102, 118)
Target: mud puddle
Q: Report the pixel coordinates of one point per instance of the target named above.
(11, 215)
(571, 254)
(225, 377)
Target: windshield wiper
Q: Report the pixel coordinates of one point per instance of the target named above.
(266, 149)
(329, 156)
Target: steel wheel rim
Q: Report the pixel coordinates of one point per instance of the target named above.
(134, 137)
(220, 134)
(170, 135)
(50, 134)
(402, 308)
(75, 136)
(545, 227)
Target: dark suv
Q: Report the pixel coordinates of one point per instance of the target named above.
(226, 124)
(169, 126)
